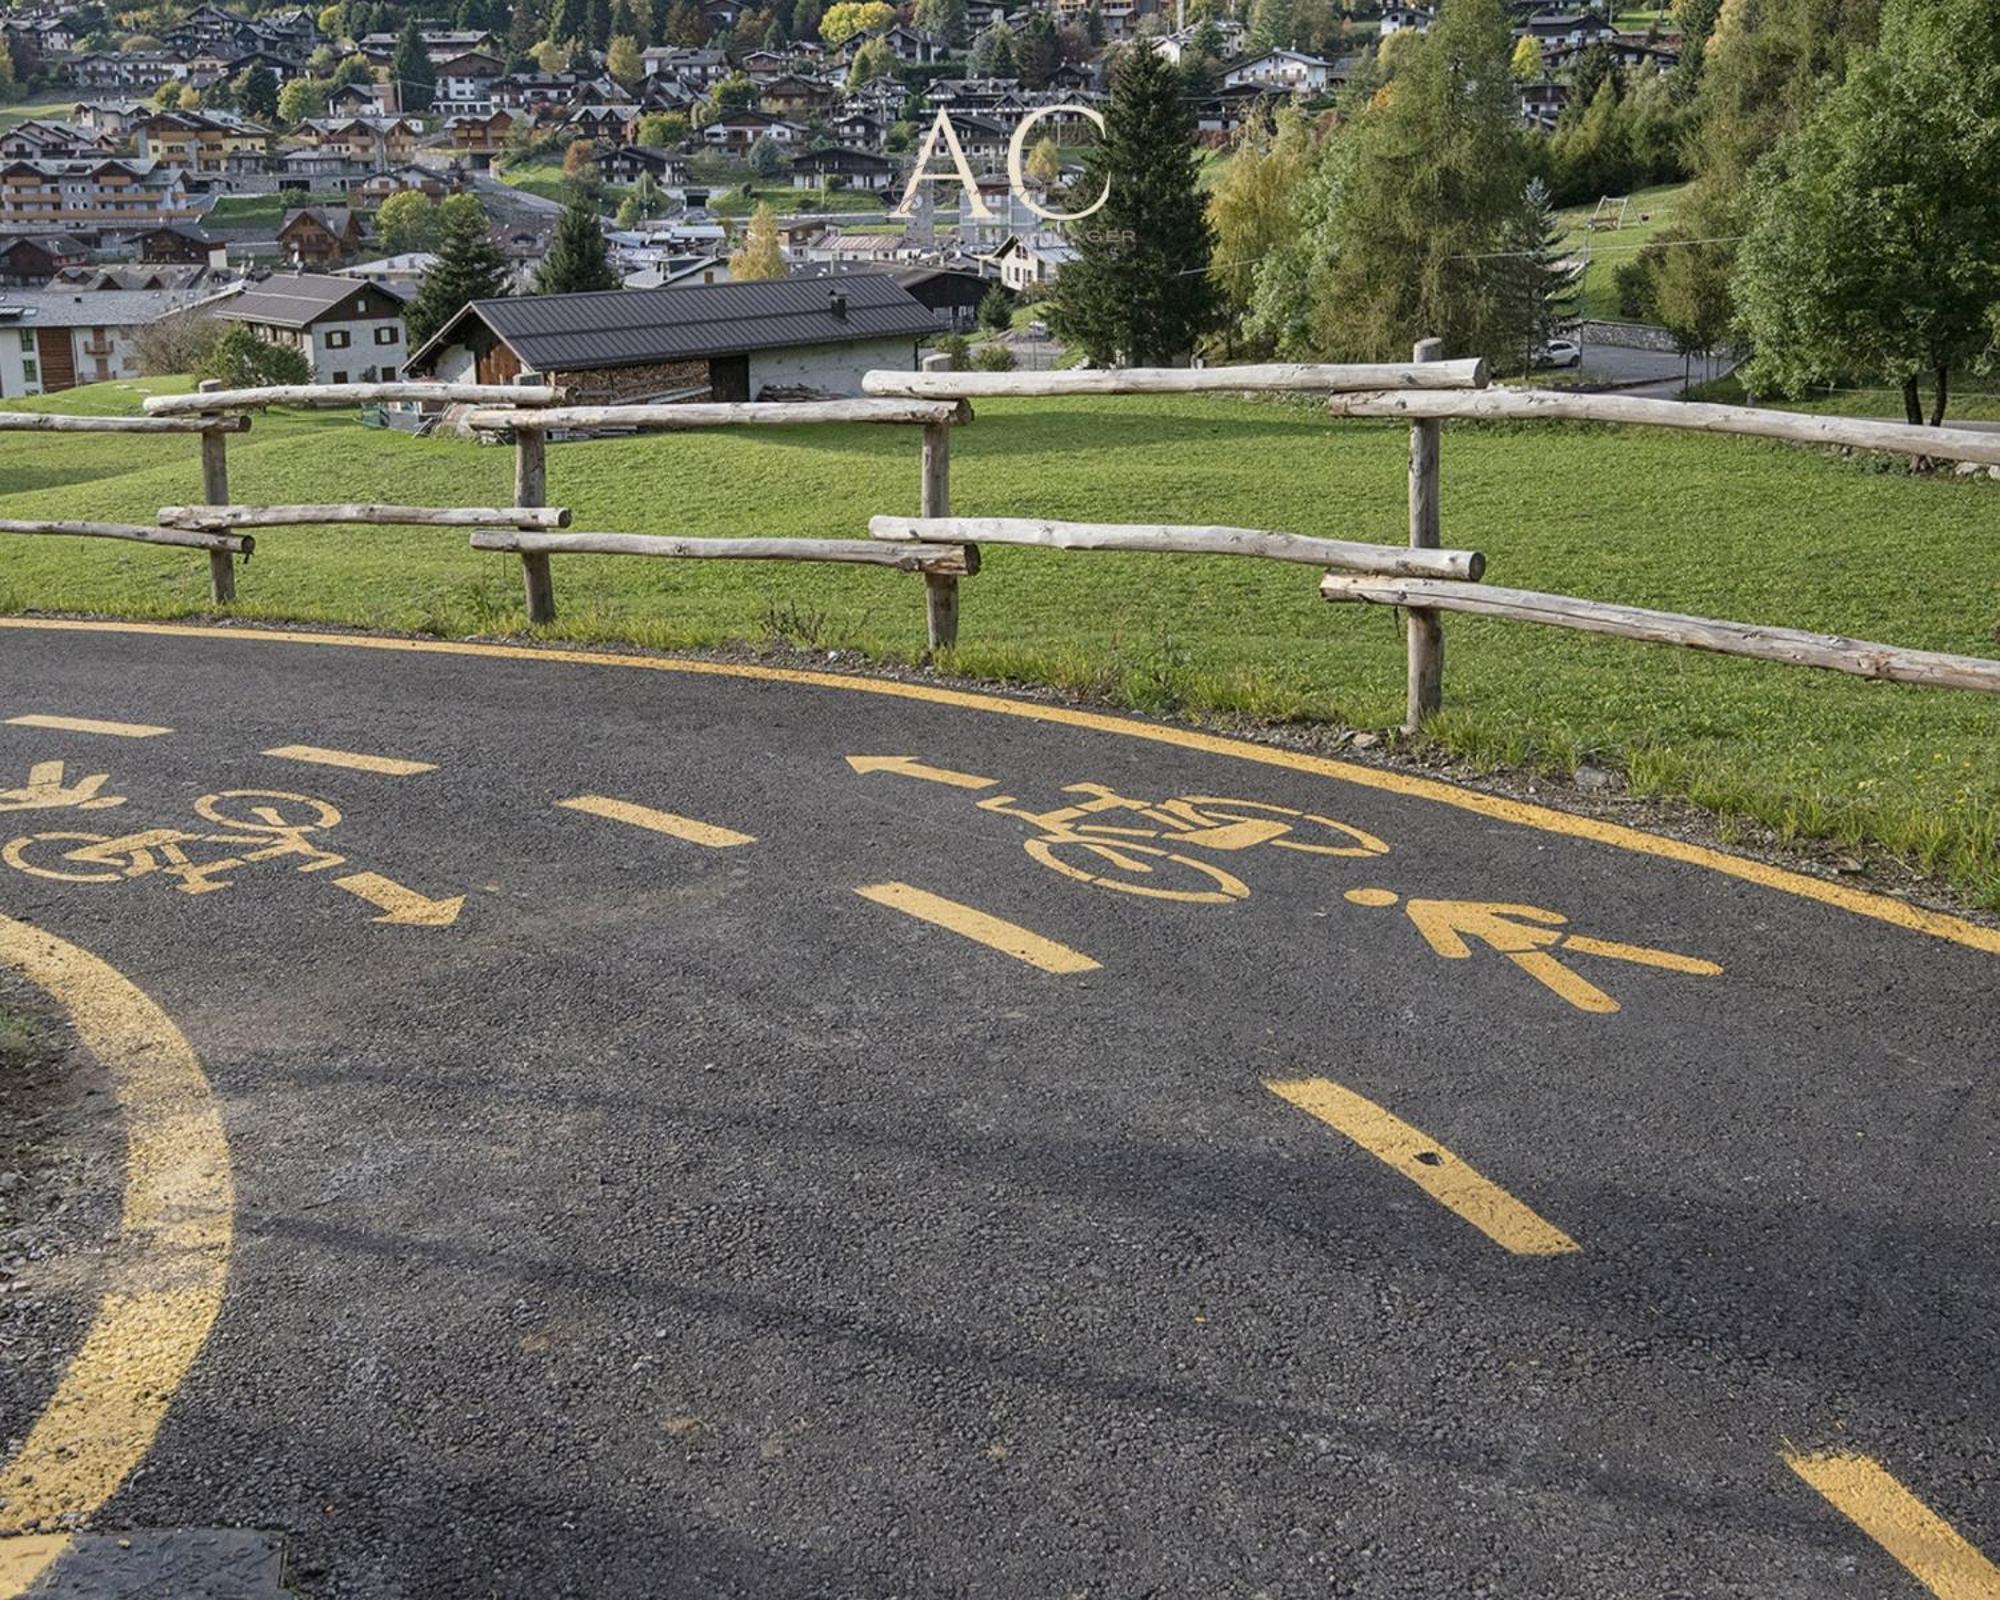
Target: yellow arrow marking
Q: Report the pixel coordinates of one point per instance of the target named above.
(388, 766)
(1930, 1549)
(1009, 938)
(1427, 1164)
(122, 730)
(910, 767)
(711, 834)
(405, 908)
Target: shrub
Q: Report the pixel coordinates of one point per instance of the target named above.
(243, 361)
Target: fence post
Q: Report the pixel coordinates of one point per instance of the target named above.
(531, 486)
(940, 591)
(215, 491)
(1426, 632)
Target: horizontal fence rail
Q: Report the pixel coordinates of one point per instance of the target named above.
(1281, 378)
(371, 515)
(1831, 652)
(1542, 405)
(953, 560)
(56, 422)
(719, 414)
(1172, 539)
(355, 394)
(184, 538)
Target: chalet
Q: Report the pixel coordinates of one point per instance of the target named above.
(31, 259)
(1402, 19)
(698, 69)
(142, 71)
(600, 124)
(741, 129)
(833, 167)
(762, 65)
(680, 272)
(1542, 103)
(1029, 263)
(1290, 71)
(370, 99)
(54, 340)
(176, 242)
(428, 181)
(38, 139)
(480, 135)
(624, 165)
(465, 84)
(380, 141)
(793, 96)
(954, 297)
(320, 236)
(204, 142)
(728, 341)
(911, 46)
(1551, 28)
(349, 329)
(113, 119)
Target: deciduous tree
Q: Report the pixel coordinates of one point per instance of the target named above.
(761, 256)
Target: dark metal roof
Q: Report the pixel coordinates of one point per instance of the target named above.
(292, 299)
(620, 327)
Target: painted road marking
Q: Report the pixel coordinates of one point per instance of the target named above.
(45, 790)
(402, 907)
(1861, 1489)
(388, 766)
(1880, 907)
(1427, 1164)
(1526, 935)
(704, 833)
(1009, 938)
(121, 730)
(152, 1323)
(909, 767)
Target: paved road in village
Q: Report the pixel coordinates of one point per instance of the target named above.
(699, 1131)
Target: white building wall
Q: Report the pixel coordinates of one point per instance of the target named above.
(360, 353)
(832, 368)
(13, 378)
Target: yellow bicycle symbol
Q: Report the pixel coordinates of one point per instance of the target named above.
(261, 824)
(1110, 856)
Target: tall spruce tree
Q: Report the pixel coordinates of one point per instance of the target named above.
(1139, 291)
(469, 267)
(578, 261)
(410, 67)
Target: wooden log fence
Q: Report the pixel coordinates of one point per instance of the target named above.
(235, 516)
(1859, 658)
(212, 395)
(933, 560)
(1346, 555)
(1286, 378)
(721, 414)
(57, 422)
(182, 538)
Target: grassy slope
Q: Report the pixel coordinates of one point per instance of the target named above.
(1651, 212)
(264, 210)
(1720, 527)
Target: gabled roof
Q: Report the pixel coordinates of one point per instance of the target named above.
(624, 327)
(293, 299)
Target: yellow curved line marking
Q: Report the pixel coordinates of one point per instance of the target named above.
(1937, 924)
(176, 1226)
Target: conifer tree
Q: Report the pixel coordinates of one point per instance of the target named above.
(469, 267)
(410, 67)
(578, 261)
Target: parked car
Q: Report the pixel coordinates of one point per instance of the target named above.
(1560, 353)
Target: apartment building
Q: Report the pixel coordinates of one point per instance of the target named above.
(105, 192)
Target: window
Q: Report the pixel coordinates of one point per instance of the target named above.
(336, 338)
(28, 340)
(340, 377)
(31, 372)
(388, 333)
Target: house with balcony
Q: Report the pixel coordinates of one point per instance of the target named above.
(107, 192)
(204, 143)
(320, 236)
(55, 339)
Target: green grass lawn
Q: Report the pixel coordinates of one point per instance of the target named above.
(264, 210)
(787, 201)
(1720, 527)
(56, 108)
(1651, 212)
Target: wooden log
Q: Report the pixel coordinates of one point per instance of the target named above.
(354, 394)
(1424, 631)
(182, 538)
(945, 559)
(215, 490)
(1290, 378)
(1173, 539)
(721, 414)
(531, 488)
(1540, 405)
(1829, 651)
(55, 422)
(934, 500)
(234, 516)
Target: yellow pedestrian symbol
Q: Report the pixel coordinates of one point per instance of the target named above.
(1527, 936)
(46, 791)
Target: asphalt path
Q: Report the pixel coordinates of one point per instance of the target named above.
(671, 1218)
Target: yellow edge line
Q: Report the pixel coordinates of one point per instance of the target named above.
(1936, 924)
(708, 833)
(388, 766)
(122, 730)
(1009, 938)
(1427, 1164)
(1930, 1549)
(176, 1226)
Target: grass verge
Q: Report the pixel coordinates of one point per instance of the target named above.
(1718, 527)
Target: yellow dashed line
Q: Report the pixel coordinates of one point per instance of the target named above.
(388, 766)
(1933, 1552)
(706, 833)
(1009, 938)
(1427, 1164)
(120, 730)
(176, 1228)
